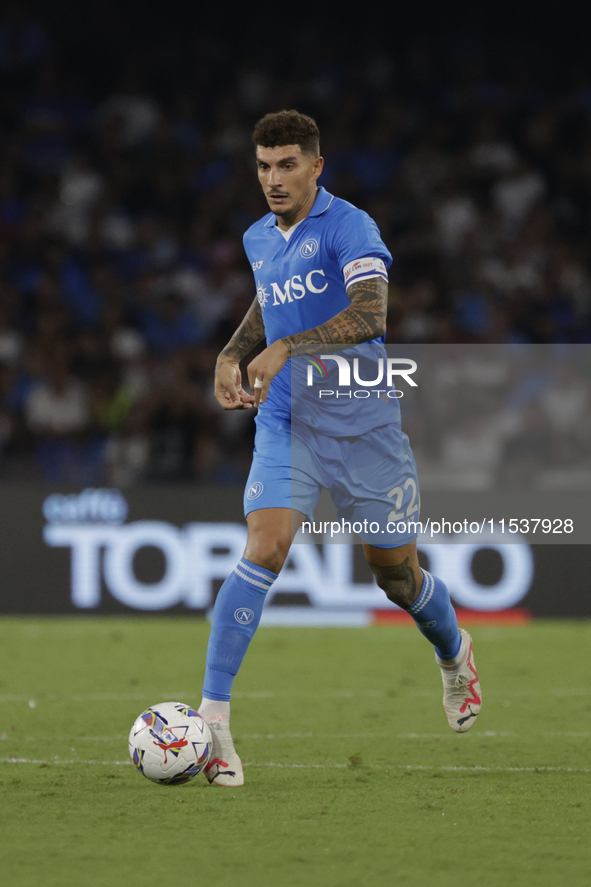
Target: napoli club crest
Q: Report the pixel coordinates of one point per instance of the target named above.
(243, 615)
(255, 490)
(309, 249)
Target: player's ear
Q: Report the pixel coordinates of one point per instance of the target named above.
(318, 166)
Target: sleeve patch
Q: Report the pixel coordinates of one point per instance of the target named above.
(363, 268)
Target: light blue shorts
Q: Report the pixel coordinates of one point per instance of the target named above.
(371, 478)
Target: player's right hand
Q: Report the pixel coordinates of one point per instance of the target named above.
(228, 388)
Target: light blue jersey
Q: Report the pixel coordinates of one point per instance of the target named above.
(301, 282)
(350, 444)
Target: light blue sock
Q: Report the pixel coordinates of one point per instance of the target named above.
(236, 615)
(436, 618)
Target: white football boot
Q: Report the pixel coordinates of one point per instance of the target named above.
(224, 766)
(462, 698)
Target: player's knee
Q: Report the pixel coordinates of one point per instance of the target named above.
(267, 552)
(398, 582)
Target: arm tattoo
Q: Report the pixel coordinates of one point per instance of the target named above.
(364, 319)
(250, 332)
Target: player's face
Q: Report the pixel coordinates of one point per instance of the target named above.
(288, 178)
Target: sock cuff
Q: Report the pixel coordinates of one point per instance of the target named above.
(217, 697)
(260, 578)
(425, 595)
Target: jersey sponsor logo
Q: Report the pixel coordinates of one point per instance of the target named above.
(296, 287)
(255, 490)
(257, 265)
(244, 616)
(309, 249)
(262, 294)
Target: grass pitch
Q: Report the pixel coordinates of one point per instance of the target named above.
(353, 776)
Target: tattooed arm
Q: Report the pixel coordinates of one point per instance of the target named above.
(362, 320)
(228, 378)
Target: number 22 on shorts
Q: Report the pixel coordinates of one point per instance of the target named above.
(397, 493)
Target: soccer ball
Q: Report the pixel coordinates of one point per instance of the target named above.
(170, 743)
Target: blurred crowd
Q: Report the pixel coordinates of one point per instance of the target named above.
(511, 417)
(127, 181)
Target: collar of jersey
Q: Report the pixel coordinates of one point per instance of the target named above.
(321, 204)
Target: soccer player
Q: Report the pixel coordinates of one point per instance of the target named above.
(320, 270)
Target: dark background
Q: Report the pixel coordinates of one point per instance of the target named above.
(126, 183)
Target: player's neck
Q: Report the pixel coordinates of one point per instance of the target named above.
(286, 222)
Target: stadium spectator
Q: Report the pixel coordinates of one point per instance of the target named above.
(125, 188)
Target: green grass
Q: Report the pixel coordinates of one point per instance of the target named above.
(396, 797)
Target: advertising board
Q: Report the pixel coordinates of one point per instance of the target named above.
(168, 549)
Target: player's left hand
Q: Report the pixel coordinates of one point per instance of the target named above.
(265, 367)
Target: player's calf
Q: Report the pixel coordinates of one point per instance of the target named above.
(398, 582)
(435, 617)
(427, 601)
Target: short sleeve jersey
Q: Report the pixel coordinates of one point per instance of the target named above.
(302, 282)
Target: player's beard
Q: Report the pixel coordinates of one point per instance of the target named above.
(279, 210)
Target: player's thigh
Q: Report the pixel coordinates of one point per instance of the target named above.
(277, 480)
(270, 534)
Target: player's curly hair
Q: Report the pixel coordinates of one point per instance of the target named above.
(288, 128)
